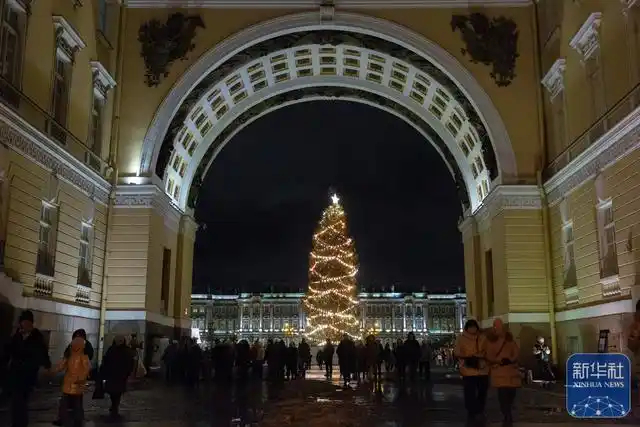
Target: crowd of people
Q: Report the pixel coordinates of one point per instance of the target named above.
(484, 358)
(26, 356)
(363, 360)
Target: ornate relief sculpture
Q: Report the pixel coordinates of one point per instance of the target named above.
(162, 44)
(491, 42)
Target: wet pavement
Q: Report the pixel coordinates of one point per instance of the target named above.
(308, 403)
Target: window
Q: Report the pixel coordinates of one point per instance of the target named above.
(85, 256)
(95, 133)
(166, 274)
(11, 34)
(593, 69)
(102, 16)
(558, 123)
(60, 99)
(488, 263)
(570, 278)
(607, 240)
(45, 263)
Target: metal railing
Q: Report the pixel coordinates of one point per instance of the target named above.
(45, 123)
(607, 121)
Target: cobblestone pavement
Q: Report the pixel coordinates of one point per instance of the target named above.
(309, 403)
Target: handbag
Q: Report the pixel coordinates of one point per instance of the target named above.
(472, 362)
(98, 393)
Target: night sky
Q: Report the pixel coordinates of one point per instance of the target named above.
(263, 196)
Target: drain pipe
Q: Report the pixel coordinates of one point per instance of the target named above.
(544, 205)
(548, 269)
(113, 156)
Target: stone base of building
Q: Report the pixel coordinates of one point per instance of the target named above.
(578, 330)
(153, 330)
(55, 319)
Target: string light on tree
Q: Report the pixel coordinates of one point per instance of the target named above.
(331, 302)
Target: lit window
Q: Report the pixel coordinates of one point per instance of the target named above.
(570, 277)
(607, 240)
(45, 263)
(85, 255)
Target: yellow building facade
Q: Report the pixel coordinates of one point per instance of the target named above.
(111, 118)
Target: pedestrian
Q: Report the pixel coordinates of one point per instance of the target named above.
(412, 354)
(77, 368)
(470, 349)
(117, 366)
(425, 360)
(327, 358)
(347, 358)
(25, 354)
(88, 350)
(502, 355)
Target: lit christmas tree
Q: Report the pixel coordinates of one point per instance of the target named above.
(331, 302)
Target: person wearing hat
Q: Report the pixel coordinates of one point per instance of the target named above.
(25, 354)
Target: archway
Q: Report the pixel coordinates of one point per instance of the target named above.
(351, 51)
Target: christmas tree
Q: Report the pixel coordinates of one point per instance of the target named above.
(331, 302)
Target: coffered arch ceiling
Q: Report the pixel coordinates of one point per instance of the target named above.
(324, 58)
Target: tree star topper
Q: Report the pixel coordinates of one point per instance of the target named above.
(335, 199)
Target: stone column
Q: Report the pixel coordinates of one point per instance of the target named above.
(261, 314)
(404, 316)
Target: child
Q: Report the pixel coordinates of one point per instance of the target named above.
(77, 368)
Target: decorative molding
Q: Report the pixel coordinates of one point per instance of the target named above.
(516, 318)
(601, 310)
(150, 197)
(20, 136)
(306, 4)
(627, 5)
(189, 227)
(68, 41)
(327, 10)
(102, 80)
(587, 40)
(618, 142)
(352, 22)
(505, 197)
(610, 286)
(19, 5)
(553, 81)
(468, 227)
(571, 295)
(163, 44)
(490, 41)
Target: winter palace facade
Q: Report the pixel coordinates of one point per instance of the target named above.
(388, 315)
(111, 113)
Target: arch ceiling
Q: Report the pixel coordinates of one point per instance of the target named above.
(324, 93)
(326, 58)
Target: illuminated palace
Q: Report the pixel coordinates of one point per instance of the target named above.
(388, 315)
(109, 125)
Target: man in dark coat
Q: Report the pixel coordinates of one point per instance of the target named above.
(116, 368)
(347, 358)
(25, 354)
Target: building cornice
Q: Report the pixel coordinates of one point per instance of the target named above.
(365, 296)
(20, 136)
(308, 4)
(587, 40)
(102, 80)
(150, 197)
(553, 81)
(613, 145)
(505, 197)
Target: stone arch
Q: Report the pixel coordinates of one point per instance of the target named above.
(438, 88)
(217, 146)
